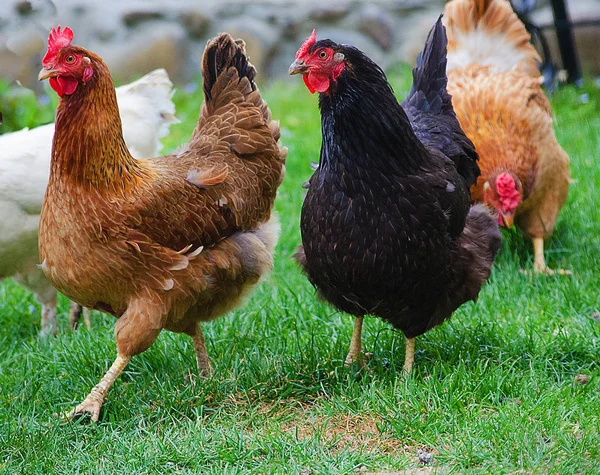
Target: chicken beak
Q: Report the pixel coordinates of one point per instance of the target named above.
(298, 67)
(46, 73)
(509, 221)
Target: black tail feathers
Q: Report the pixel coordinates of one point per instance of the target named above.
(429, 106)
(429, 76)
(221, 53)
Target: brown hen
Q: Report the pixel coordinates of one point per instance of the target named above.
(496, 92)
(163, 243)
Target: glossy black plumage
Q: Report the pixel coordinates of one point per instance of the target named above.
(383, 223)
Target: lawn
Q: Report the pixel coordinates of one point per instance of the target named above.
(500, 388)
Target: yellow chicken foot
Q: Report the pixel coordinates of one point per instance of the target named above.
(204, 366)
(93, 402)
(539, 264)
(409, 357)
(355, 353)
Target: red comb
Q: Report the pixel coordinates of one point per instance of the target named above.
(507, 190)
(311, 40)
(57, 40)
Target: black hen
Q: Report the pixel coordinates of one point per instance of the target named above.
(387, 228)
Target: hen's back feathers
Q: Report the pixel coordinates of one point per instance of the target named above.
(429, 107)
(488, 32)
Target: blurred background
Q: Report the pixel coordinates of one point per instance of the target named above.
(136, 36)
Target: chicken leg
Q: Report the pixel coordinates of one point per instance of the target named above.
(95, 399)
(75, 314)
(48, 319)
(409, 357)
(539, 264)
(204, 366)
(355, 353)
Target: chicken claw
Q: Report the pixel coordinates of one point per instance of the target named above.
(91, 405)
(95, 399)
(539, 264)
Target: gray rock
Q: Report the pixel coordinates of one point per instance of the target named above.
(24, 7)
(261, 39)
(407, 7)
(150, 46)
(195, 22)
(26, 42)
(375, 22)
(135, 17)
(329, 13)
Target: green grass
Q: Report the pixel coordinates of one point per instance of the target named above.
(493, 390)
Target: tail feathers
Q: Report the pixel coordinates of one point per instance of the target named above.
(227, 72)
(478, 245)
(221, 54)
(429, 107)
(428, 90)
(488, 32)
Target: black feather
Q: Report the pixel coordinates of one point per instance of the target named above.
(429, 106)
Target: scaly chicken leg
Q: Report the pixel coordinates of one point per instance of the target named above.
(356, 342)
(409, 357)
(95, 399)
(204, 366)
(539, 264)
(355, 353)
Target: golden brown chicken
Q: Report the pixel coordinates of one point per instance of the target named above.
(496, 92)
(168, 242)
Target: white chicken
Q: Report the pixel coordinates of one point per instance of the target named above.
(147, 112)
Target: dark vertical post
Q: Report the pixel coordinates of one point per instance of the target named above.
(566, 42)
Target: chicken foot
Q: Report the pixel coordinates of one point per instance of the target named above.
(355, 354)
(539, 264)
(95, 399)
(409, 357)
(204, 366)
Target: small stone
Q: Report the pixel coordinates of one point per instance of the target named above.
(133, 18)
(261, 40)
(24, 7)
(195, 23)
(329, 14)
(424, 456)
(375, 23)
(582, 379)
(596, 314)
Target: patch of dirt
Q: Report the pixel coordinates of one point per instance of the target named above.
(582, 379)
(348, 431)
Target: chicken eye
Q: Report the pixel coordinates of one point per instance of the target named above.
(323, 54)
(70, 59)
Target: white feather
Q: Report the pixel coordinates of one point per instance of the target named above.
(480, 47)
